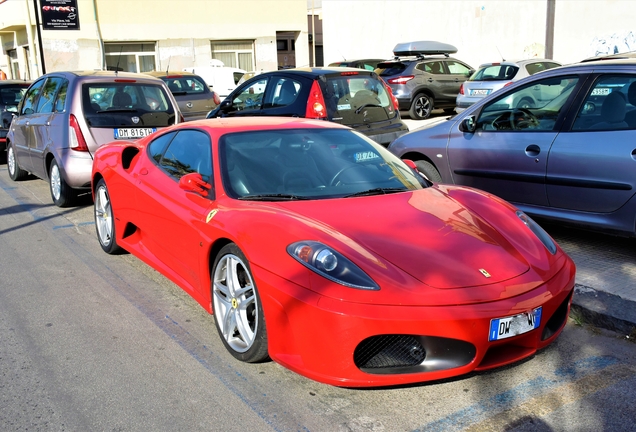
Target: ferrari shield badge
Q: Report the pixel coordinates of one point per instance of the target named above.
(211, 215)
(484, 272)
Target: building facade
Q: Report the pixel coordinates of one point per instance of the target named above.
(145, 35)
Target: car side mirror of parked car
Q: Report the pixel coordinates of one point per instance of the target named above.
(468, 124)
(193, 182)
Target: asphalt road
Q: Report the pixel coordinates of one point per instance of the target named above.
(95, 342)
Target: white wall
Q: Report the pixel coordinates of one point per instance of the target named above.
(481, 30)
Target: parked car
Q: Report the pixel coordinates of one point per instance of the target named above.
(423, 77)
(569, 158)
(318, 248)
(491, 77)
(11, 92)
(194, 97)
(353, 97)
(65, 116)
(368, 64)
(617, 56)
(221, 79)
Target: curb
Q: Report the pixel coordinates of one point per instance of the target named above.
(604, 310)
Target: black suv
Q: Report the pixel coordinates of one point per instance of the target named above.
(11, 92)
(354, 97)
(423, 77)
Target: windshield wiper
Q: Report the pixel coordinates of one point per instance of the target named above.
(273, 197)
(376, 191)
(367, 105)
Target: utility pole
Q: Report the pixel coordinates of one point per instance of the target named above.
(549, 30)
(36, 9)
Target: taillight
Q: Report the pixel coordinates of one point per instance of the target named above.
(396, 104)
(76, 138)
(461, 89)
(217, 99)
(316, 107)
(401, 80)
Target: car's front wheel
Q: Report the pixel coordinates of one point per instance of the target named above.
(63, 195)
(421, 107)
(237, 306)
(104, 220)
(15, 172)
(429, 171)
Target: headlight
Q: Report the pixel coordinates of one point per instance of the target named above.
(538, 231)
(330, 264)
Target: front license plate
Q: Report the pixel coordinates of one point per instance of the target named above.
(479, 92)
(502, 328)
(127, 133)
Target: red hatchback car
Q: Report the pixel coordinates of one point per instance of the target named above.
(277, 224)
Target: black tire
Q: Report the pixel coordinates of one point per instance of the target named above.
(421, 107)
(13, 166)
(61, 193)
(429, 171)
(238, 303)
(105, 220)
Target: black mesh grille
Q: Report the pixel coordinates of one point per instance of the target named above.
(389, 351)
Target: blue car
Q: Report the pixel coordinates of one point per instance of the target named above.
(571, 157)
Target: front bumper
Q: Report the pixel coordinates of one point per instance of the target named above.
(334, 342)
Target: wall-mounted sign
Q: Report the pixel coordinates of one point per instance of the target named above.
(60, 15)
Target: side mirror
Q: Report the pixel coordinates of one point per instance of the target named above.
(193, 182)
(469, 124)
(226, 105)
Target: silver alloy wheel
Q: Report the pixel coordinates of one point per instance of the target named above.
(55, 180)
(103, 216)
(235, 303)
(11, 163)
(422, 106)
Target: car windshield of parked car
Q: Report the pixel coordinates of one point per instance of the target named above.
(104, 102)
(182, 85)
(495, 72)
(535, 106)
(310, 164)
(11, 95)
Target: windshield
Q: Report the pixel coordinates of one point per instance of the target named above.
(495, 73)
(310, 164)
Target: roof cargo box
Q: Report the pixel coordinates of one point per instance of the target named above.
(423, 48)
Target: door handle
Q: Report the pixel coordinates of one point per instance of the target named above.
(430, 80)
(533, 150)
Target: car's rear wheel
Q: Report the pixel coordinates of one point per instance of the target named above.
(525, 103)
(104, 220)
(63, 195)
(421, 107)
(429, 171)
(237, 306)
(15, 172)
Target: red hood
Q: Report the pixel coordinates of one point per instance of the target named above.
(425, 233)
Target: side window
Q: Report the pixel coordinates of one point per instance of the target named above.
(534, 107)
(31, 98)
(251, 97)
(456, 68)
(158, 146)
(434, 67)
(609, 105)
(285, 91)
(47, 95)
(60, 101)
(190, 151)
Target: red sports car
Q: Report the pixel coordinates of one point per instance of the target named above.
(320, 249)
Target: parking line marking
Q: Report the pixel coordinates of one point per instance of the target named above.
(511, 398)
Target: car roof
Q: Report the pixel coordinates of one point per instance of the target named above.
(160, 74)
(318, 71)
(239, 124)
(100, 74)
(15, 82)
(625, 55)
(519, 62)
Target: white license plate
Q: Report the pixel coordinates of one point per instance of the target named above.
(601, 91)
(127, 133)
(502, 328)
(479, 92)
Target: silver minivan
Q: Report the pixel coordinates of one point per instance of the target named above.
(65, 116)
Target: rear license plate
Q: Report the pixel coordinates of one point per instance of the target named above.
(127, 133)
(502, 328)
(479, 92)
